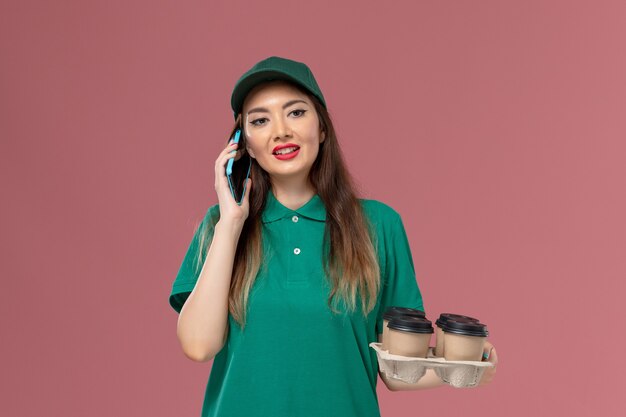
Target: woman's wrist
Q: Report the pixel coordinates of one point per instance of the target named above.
(229, 226)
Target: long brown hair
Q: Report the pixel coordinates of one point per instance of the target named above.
(349, 251)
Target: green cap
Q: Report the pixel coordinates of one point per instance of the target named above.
(274, 68)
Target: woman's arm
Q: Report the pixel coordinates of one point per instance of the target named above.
(203, 321)
(432, 380)
(202, 327)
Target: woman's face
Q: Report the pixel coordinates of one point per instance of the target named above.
(278, 116)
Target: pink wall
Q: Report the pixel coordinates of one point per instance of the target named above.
(495, 128)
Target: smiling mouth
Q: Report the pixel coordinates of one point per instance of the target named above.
(284, 151)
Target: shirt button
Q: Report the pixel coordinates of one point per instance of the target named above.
(296, 251)
(295, 219)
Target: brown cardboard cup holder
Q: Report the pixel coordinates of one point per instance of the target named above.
(459, 374)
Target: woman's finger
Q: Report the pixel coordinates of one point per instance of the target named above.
(246, 195)
(222, 160)
(493, 356)
(486, 350)
(489, 372)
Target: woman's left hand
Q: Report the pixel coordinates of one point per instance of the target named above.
(490, 371)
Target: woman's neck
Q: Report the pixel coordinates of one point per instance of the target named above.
(293, 195)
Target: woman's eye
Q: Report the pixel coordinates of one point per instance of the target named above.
(254, 122)
(261, 121)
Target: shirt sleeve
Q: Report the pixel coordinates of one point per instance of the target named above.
(190, 268)
(400, 287)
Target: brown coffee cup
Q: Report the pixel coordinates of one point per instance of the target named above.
(441, 321)
(409, 336)
(464, 340)
(392, 312)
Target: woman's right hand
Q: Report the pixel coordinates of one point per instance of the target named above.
(230, 211)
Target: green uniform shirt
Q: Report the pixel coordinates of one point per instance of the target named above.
(295, 358)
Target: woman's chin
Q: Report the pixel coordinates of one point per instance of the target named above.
(288, 174)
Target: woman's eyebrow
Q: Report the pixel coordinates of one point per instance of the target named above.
(287, 104)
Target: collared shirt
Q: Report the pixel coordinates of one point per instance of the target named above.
(295, 357)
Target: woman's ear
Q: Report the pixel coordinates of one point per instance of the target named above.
(250, 152)
(323, 136)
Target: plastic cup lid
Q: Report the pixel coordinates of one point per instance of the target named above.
(392, 312)
(444, 317)
(411, 324)
(465, 327)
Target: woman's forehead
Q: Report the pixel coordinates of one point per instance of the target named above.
(273, 92)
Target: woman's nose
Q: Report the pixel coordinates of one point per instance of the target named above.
(281, 128)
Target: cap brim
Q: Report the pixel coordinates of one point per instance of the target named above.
(247, 84)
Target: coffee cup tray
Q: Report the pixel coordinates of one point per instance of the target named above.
(459, 374)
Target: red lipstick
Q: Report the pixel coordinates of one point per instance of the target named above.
(289, 155)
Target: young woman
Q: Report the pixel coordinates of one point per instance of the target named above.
(286, 290)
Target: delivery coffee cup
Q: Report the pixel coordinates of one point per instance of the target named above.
(441, 321)
(392, 312)
(409, 336)
(464, 340)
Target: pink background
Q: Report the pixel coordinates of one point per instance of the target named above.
(495, 128)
